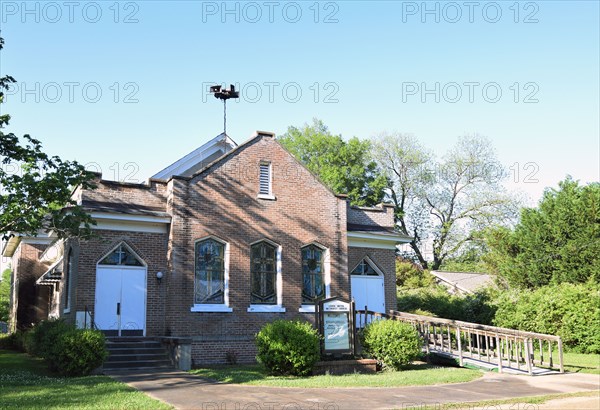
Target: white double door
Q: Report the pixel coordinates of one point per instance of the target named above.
(120, 307)
(368, 291)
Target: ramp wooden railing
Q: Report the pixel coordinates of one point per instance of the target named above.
(501, 347)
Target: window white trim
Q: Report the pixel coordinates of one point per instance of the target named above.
(371, 263)
(68, 280)
(266, 309)
(310, 308)
(278, 282)
(206, 307)
(214, 307)
(265, 180)
(138, 257)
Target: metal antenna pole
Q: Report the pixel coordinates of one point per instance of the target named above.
(224, 95)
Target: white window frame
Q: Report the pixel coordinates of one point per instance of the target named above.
(372, 264)
(215, 307)
(277, 308)
(269, 195)
(69, 279)
(310, 308)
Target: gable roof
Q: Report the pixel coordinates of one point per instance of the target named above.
(463, 281)
(256, 136)
(199, 158)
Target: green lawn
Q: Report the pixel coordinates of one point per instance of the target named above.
(26, 384)
(582, 363)
(413, 375)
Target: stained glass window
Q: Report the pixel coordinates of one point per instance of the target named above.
(263, 274)
(121, 255)
(68, 280)
(364, 268)
(313, 288)
(210, 272)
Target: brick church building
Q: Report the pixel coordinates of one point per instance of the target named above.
(208, 250)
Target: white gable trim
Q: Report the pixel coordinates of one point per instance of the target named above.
(220, 143)
(374, 240)
(134, 223)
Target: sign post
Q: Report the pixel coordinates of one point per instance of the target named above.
(336, 326)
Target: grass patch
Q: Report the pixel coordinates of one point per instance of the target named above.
(414, 375)
(582, 363)
(25, 383)
(518, 400)
(575, 362)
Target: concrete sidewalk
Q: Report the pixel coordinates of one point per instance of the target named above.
(185, 391)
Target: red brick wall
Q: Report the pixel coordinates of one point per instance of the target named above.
(32, 300)
(152, 196)
(224, 203)
(381, 215)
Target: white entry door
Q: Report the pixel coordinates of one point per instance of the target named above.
(368, 291)
(120, 308)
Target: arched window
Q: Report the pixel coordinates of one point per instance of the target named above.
(210, 272)
(366, 268)
(122, 255)
(313, 274)
(263, 271)
(68, 274)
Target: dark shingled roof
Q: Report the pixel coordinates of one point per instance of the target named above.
(124, 208)
(371, 229)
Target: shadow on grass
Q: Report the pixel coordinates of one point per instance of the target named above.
(25, 383)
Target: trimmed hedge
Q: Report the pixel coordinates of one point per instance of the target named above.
(392, 343)
(288, 347)
(67, 350)
(78, 352)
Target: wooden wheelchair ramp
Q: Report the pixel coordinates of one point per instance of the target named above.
(485, 347)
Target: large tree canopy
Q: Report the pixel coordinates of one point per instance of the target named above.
(559, 241)
(442, 203)
(35, 188)
(344, 166)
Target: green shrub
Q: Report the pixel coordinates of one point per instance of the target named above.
(8, 341)
(571, 311)
(40, 340)
(288, 347)
(392, 343)
(411, 275)
(78, 352)
(479, 307)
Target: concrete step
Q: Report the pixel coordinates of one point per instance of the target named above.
(132, 357)
(131, 353)
(136, 350)
(137, 364)
(131, 345)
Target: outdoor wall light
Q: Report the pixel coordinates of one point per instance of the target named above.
(159, 276)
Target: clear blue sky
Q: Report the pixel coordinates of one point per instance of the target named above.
(371, 62)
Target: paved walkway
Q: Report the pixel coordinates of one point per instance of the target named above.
(185, 391)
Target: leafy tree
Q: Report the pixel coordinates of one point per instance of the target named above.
(5, 295)
(443, 202)
(344, 166)
(38, 196)
(559, 241)
(471, 257)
